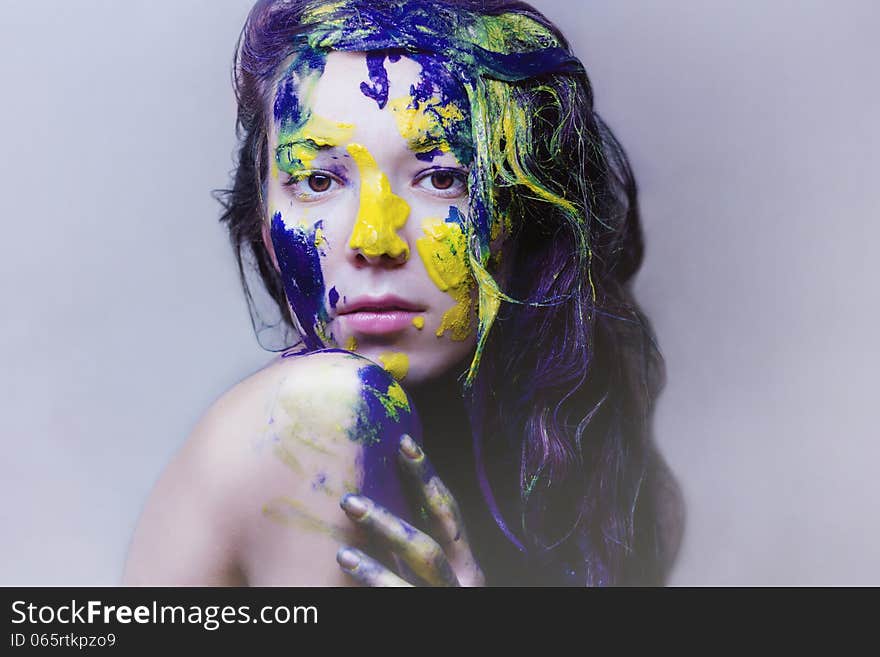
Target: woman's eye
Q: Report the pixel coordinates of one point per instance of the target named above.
(311, 186)
(319, 183)
(444, 182)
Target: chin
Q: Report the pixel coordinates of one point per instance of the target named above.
(421, 368)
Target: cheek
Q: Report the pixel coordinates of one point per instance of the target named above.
(443, 250)
(298, 250)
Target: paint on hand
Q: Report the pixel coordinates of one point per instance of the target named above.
(395, 363)
(419, 322)
(381, 212)
(443, 250)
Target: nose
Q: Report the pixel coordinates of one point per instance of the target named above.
(374, 237)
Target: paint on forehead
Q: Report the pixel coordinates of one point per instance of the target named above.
(424, 126)
(395, 363)
(300, 266)
(380, 213)
(296, 85)
(443, 250)
(440, 95)
(297, 148)
(377, 89)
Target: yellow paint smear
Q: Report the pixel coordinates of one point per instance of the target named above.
(291, 513)
(380, 213)
(443, 250)
(419, 322)
(398, 396)
(397, 364)
(351, 344)
(426, 124)
(320, 131)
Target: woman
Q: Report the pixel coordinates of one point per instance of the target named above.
(424, 186)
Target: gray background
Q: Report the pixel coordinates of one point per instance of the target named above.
(752, 129)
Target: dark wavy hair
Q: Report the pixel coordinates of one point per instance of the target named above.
(566, 370)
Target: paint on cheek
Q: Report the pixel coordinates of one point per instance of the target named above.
(419, 322)
(320, 240)
(443, 250)
(380, 214)
(395, 363)
(300, 265)
(333, 297)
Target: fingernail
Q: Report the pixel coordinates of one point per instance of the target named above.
(354, 505)
(348, 559)
(409, 448)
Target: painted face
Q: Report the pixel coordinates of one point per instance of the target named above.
(365, 203)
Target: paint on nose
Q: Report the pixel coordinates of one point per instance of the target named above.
(381, 212)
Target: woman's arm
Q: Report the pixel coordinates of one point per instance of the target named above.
(186, 532)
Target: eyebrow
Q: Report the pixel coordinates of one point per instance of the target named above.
(311, 144)
(426, 143)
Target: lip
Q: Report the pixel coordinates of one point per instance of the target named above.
(378, 315)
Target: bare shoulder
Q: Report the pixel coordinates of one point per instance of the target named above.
(252, 496)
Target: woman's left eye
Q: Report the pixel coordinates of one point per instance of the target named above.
(447, 183)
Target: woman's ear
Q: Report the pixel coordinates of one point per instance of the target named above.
(267, 242)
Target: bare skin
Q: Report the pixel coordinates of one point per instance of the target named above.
(255, 496)
(239, 507)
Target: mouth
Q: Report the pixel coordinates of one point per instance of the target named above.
(379, 315)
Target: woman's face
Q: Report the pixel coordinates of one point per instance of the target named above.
(365, 202)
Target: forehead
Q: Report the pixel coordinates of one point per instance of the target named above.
(371, 95)
(355, 82)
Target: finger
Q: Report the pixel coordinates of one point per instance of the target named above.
(442, 508)
(421, 553)
(367, 570)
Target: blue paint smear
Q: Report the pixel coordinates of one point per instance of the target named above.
(378, 90)
(289, 113)
(287, 102)
(380, 432)
(333, 295)
(300, 265)
(430, 155)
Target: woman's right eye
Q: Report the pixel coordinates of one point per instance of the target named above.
(310, 186)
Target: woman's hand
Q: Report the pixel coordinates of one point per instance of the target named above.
(446, 561)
